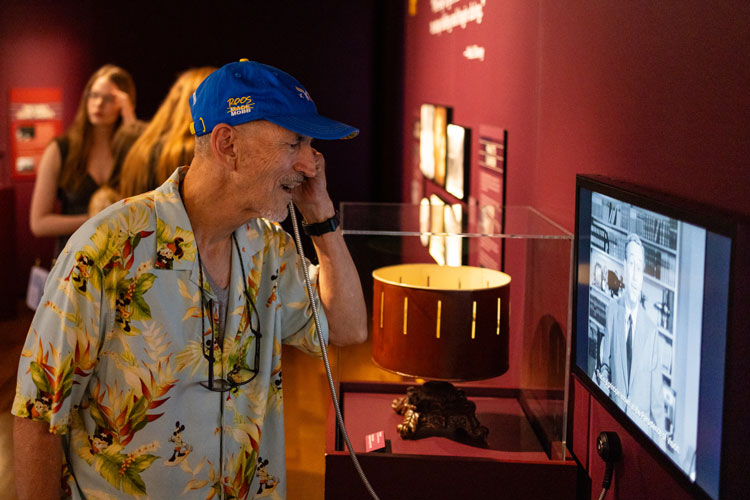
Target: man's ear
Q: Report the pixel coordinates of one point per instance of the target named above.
(223, 139)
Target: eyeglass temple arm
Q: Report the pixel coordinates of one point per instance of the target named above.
(211, 364)
(257, 333)
(211, 357)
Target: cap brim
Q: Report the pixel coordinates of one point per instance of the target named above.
(315, 126)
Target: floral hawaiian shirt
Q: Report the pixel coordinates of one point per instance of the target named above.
(120, 344)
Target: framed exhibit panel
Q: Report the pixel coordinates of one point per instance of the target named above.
(35, 119)
(440, 122)
(458, 162)
(489, 188)
(437, 228)
(433, 142)
(441, 226)
(454, 243)
(425, 216)
(427, 141)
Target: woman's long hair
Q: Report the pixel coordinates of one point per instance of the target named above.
(166, 143)
(79, 134)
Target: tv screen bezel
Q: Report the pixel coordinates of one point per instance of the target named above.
(709, 218)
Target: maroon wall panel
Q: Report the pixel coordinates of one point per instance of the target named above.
(7, 294)
(497, 91)
(492, 92)
(38, 49)
(580, 407)
(637, 474)
(331, 49)
(653, 93)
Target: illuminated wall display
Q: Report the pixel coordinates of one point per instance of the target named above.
(35, 119)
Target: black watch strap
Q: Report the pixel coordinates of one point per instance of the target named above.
(321, 228)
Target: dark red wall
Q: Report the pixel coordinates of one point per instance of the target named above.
(653, 93)
(650, 92)
(37, 49)
(333, 48)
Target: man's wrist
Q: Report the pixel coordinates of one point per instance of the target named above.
(322, 227)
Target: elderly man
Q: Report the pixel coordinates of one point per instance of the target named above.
(631, 354)
(153, 366)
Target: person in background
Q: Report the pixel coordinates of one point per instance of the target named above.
(86, 156)
(166, 142)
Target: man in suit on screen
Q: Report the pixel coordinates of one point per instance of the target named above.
(630, 350)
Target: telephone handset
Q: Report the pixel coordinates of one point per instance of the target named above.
(609, 448)
(316, 319)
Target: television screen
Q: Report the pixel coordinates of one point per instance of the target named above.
(650, 321)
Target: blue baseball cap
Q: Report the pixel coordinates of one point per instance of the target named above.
(245, 91)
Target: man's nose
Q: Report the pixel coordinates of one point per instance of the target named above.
(305, 162)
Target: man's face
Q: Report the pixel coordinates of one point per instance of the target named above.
(633, 278)
(272, 162)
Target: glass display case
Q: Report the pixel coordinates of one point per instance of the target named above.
(525, 408)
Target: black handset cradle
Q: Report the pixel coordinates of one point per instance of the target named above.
(608, 447)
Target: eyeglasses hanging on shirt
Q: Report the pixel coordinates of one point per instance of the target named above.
(238, 375)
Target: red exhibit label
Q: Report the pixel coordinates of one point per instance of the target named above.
(375, 441)
(35, 119)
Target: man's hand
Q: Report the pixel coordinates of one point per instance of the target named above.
(340, 289)
(311, 197)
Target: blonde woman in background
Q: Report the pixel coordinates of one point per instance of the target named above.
(85, 157)
(166, 143)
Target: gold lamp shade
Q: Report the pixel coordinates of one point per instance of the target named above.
(441, 323)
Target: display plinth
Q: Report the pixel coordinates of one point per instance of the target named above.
(525, 408)
(514, 465)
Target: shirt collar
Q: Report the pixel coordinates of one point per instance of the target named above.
(172, 222)
(175, 244)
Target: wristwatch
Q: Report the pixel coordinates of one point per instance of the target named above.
(321, 228)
